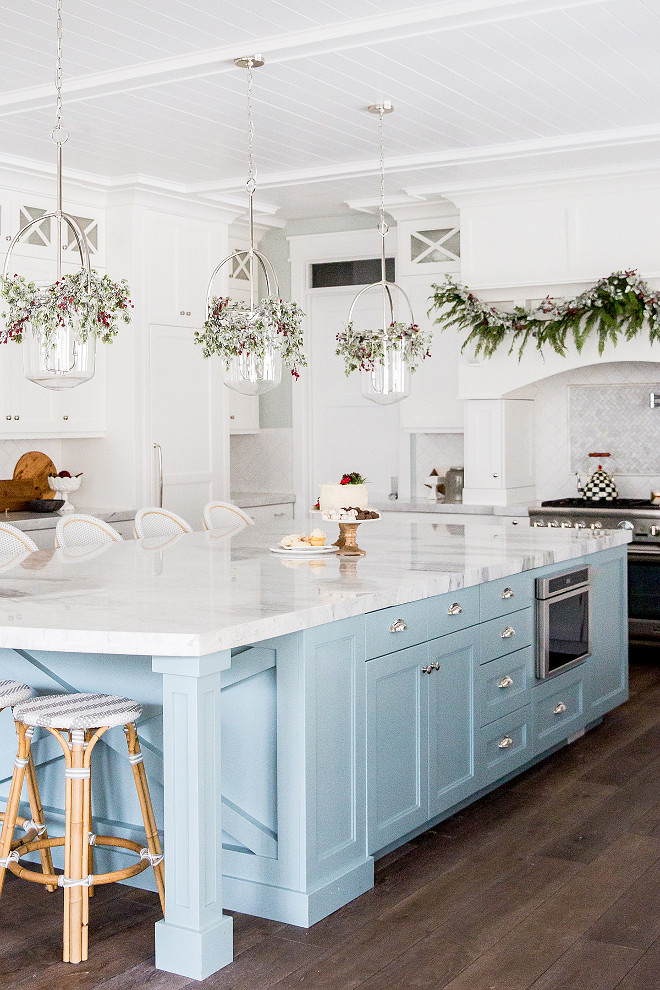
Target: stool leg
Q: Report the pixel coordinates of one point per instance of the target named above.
(76, 852)
(140, 777)
(88, 822)
(11, 811)
(37, 811)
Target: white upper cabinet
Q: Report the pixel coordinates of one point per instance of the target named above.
(40, 240)
(499, 451)
(180, 258)
(428, 249)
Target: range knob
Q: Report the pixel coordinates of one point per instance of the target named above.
(580, 525)
(596, 525)
(538, 522)
(566, 525)
(625, 524)
(553, 524)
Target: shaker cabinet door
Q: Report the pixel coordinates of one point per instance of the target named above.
(397, 750)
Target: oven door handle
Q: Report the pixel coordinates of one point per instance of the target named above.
(642, 554)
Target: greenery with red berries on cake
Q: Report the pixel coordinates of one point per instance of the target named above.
(92, 304)
(353, 479)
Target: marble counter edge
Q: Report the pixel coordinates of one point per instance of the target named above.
(427, 584)
(247, 500)
(27, 521)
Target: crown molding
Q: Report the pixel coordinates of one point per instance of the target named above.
(449, 15)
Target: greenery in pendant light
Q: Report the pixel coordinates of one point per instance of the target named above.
(92, 304)
(363, 349)
(616, 307)
(232, 329)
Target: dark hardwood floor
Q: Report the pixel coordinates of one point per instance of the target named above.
(552, 882)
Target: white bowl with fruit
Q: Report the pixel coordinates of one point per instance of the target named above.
(64, 484)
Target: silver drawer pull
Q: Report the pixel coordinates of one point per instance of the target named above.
(559, 708)
(505, 743)
(508, 593)
(508, 632)
(455, 609)
(506, 682)
(399, 625)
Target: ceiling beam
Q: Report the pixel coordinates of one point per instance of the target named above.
(446, 16)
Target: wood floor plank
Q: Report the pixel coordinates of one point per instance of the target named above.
(645, 974)
(589, 965)
(634, 920)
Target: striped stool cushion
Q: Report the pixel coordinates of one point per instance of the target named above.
(78, 711)
(13, 692)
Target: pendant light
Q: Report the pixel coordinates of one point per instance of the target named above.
(387, 379)
(253, 337)
(64, 359)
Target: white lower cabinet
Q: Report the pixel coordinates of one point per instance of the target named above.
(271, 513)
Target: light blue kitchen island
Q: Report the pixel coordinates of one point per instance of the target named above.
(304, 715)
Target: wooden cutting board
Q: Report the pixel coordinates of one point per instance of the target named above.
(30, 481)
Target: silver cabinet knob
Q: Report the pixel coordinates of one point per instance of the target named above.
(505, 743)
(559, 708)
(17, 417)
(496, 475)
(399, 625)
(7, 417)
(506, 682)
(508, 632)
(232, 417)
(455, 609)
(65, 417)
(508, 593)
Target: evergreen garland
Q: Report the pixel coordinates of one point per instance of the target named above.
(616, 306)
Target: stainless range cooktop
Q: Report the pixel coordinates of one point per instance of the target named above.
(635, 514)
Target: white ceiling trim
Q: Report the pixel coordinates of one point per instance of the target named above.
(450, 15)
(405, 163)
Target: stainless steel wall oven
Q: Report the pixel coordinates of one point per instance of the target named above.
(563, 621)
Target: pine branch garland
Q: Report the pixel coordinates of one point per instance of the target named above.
(619, 305)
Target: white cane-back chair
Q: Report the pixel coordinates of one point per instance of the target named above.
(225, 517)
(154, 521)
(14, 541)
(80, 530)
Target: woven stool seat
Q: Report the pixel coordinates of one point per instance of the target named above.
(78, 711)
(13, 693)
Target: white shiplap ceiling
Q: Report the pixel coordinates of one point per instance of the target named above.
(484, 90)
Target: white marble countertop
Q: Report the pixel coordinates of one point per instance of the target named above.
(196, 594)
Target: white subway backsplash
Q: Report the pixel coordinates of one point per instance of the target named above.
(433, 450)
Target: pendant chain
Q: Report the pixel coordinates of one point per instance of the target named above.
(59, 135)
(382, 227)
(252, 171)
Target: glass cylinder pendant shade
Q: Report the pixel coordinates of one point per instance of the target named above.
(389, 381)
(64, 363)
(253, 374)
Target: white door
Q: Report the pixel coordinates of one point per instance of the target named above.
(348, 432)
(182, 383)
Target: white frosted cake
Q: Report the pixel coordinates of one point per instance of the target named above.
(341, 496)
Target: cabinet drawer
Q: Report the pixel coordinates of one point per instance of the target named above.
(505, 745)
(560, 711)
(506, 634)
(453, 611)
(271, 513)
(504, 685)
(395, 628)
(505, 595)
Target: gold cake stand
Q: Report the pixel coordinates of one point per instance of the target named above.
(347, 540)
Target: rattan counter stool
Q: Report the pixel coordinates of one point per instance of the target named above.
(78, 721)
(13, 693)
